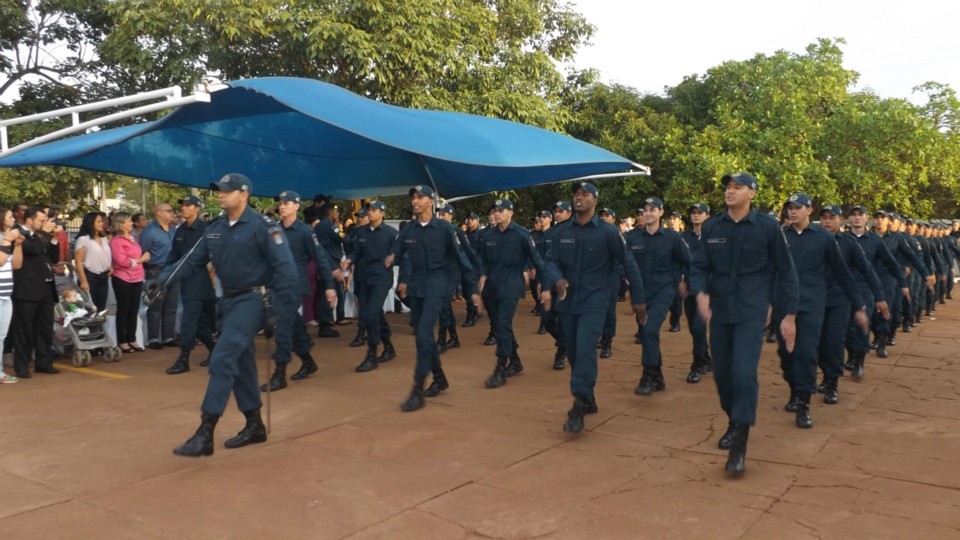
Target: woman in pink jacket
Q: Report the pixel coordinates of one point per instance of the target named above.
(127, 280)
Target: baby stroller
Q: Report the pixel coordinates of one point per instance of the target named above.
(77, 324)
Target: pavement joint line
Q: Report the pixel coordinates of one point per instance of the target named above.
(88, 371)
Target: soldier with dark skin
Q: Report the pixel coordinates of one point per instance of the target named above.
(585, 252)
(432, 249)
(742, 267)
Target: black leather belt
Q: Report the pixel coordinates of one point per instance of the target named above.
(233, 293)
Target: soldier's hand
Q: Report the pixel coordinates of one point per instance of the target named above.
(480, 283)
(883, 308)
(561, 288)
(682, 289)
(861, 318)
(331, 295)
(388, 262)
(344, 264)
(640, 310)
(477, 303)
(546, 299)
(931, 282)
(788, 329)
(906, 292)
(532, 273)
(703, 307)
(337, 275)
(402, 290)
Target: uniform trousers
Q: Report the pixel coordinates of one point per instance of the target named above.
(371, 312)
(800, 366)
(198, 320)
(878, 324)
(581, 332)
(291, 334)
(162, 318)
(657, 305)
(833, 335)
(501, 311)
(610, 321)
(736, 353)
(858, 341)
(233, 365)
(698, 328)
(424, 313)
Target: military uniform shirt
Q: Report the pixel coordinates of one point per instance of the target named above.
(370, 247)
(662, 257)
(305, 247)
(816, 255)
(862, 271)
(199, 286)
(878, 255)
(432, 251)
(504, 255)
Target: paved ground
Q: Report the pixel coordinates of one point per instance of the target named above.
(85, 455)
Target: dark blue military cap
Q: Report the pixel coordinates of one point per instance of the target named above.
(699, 206)
(800, 199)
(653, 201)
(362, 213)
(426, 191)
(190, 200)
(546, 213)
(833, 209)
(586, 186)
(563, 205)
(859, 208)
(233, 182)
(378, 205)
(288, 196)
(446, 209)
(609, 212)
(741, 178)
(503, 204)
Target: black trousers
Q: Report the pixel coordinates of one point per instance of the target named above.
(32, 331)
(128, 307)
(99, 288)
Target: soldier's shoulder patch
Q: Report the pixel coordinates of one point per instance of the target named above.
(277, 235)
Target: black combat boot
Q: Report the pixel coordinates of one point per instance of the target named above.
(574, 423)
(695, 370)
(442, 339)
(892, 338)
(499, 376)
(307, 367)
(278, 381)
(831, 391)
(849, 363)
(650, 381)
(707, 365)
(181, 364)
(388, 353)
(737, 461)
(415, 400)
(793, 402)
(439, 384)
(591, 407)
(515, 366)
(882, 346)
(253, 431)
(491, 339)
(360, 339)
(905, 328)
(542, 329)
(470, 320)
(201, 444)
(726, 441)
(558, 358)
(803, 411)
(206, 361)
(369, 361)
(454, 341)
(857, 373)
(606, 346)
(771, 334)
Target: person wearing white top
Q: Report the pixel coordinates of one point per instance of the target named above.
(93, 259)
(11, 257)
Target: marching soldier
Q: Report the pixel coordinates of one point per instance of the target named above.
(702, 362)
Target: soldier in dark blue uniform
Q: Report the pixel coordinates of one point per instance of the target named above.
(816, 255)
(539, 237)
(291, 331)
(584, 254)
(702, 362)
(906, 256)
(199, 316)
(328, 234)
(371, 246)
(675, 224)
(349, 243)
(491, 223)
(248, 251)
(504, 254)
(472, 235)
(742, 261)
(891, 276)
(448, 322)
(431, 247)
(840, 316)
(608, 215)
(662, 258)
(549, 317)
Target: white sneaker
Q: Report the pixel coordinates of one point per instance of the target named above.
(8, 379)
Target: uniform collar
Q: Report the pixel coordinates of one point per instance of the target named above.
(751, 217)
(595, 221)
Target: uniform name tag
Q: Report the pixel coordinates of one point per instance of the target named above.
(410, 241)
(214, 236)
(716, 240)
(568, 241)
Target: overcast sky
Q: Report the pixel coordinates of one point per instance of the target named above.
(894, 45)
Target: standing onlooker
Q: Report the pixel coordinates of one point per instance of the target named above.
(140, 223)
(127, 279)
(157, 240)
(91, 255)
(34, 294)
(11, 258)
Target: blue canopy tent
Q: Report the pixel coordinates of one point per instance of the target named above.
(313, 137)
